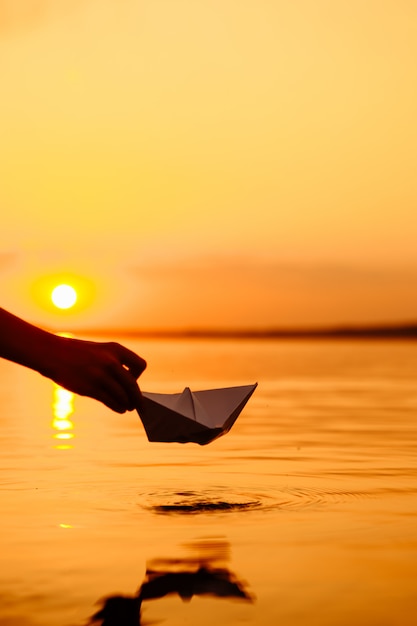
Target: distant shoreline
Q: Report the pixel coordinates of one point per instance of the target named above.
(394, 332)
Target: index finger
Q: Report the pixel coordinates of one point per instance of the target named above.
(134, 363)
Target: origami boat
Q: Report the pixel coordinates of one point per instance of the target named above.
(192, 416)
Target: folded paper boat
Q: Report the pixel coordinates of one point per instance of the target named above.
(192, 416)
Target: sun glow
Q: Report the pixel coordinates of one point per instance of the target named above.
(64, 296)
(63, 293)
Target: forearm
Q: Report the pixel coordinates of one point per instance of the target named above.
(26, 344)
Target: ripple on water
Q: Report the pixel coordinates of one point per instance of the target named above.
(189, 502)
(222, 499)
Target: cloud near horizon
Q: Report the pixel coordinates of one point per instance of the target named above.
(258, 293)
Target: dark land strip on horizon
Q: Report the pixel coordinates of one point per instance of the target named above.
(394, 332)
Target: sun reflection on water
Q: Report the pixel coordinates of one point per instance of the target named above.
(62, 410)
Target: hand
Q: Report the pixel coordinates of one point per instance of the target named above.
(104, 371)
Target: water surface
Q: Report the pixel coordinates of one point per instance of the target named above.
(305, 513)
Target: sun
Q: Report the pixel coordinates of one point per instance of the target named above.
(64, 296)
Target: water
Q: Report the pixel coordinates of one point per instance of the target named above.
(305, 513)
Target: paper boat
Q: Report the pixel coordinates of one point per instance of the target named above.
(197, 416)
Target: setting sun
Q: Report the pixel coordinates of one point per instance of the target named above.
(64, 296)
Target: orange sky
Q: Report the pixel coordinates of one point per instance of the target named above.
(224, 162)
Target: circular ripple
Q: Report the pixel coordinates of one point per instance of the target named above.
(189, 502)
(304, 497)
(220, 500)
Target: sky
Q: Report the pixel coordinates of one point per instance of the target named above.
(213, 163)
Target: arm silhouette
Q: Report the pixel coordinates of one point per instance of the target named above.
(104, 371)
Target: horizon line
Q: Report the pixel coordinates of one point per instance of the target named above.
(343, 331)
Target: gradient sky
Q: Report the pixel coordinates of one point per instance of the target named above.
(209, 163)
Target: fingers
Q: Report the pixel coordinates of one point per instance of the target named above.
(125, 372)
(106, 372)
(109, 399)
(134, 363)
(117, 391)
(128, 386)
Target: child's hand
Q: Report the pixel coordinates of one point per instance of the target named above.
(104, 371)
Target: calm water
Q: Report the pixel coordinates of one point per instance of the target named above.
(305, 513)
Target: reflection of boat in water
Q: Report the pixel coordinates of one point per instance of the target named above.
(191, 580)
(219, 583)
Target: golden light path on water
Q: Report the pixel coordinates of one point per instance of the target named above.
(62, 410)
